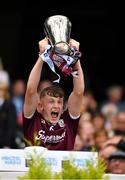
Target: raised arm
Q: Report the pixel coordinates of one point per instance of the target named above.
(31, 95)
(76, 96)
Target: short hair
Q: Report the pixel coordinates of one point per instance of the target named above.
(53, 91)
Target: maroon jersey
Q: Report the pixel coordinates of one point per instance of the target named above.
(60, 136)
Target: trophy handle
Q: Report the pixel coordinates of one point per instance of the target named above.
(46, 29)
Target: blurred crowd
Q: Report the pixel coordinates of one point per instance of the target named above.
(11, 104)
(101, 126)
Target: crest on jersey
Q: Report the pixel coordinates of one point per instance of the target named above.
(61, 123)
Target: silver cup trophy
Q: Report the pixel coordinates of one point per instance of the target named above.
(58, 29)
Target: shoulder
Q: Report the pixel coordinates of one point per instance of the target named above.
(35, 115)
(69, 116)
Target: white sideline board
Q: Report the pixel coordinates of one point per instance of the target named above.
(15, 159)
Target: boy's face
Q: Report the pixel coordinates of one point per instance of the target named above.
(51, 108)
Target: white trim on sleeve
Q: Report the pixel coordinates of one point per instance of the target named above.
(74, 117)
(29, 117)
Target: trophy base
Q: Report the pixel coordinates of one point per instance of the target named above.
(61, 48)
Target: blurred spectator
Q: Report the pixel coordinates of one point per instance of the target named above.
(18, 90)
(89, 102)
(119, 128)
(98, 121)
(116, 163)
(111, 106)
(86, 131)
(110, 112)
(4, 75)
(115, 96)
(100, 138)
(7, 114)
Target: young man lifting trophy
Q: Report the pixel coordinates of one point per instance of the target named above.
(46, 121)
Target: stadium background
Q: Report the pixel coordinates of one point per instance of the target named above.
(97, 25)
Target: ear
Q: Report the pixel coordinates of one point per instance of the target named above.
(39, 107)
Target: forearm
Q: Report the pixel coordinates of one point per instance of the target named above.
(35, 76)
(78, 81)
(75, 98)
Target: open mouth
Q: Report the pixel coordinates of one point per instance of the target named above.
(54, 114)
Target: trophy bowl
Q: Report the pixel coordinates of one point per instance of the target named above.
(58, 29)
